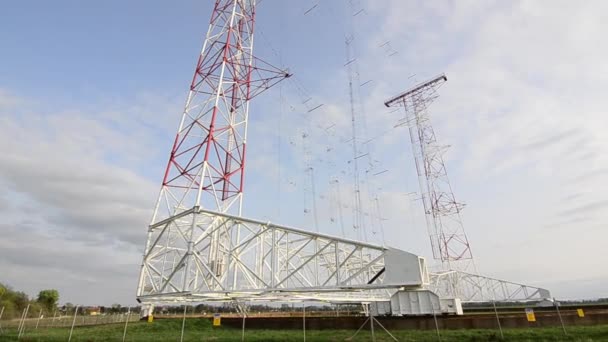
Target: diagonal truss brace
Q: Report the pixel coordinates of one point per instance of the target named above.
(449, 242)
(203, 255)
(477, 288)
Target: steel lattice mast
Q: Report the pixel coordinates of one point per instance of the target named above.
(449, 242)
(200, 247)
(207, 162)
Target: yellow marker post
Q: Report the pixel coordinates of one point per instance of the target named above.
(530, 315)
(150, 318)
(217, 320)
(580, 313)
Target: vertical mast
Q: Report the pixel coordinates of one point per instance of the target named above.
(207, 161)
(448, 239)
(358, 221)
(206, 165)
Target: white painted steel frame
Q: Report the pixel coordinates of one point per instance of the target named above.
(199, 248)
(267, 262)
(272, 262)
(207, 162)
(476, 288)
(449, 242)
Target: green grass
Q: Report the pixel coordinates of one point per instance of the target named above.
(201, 330)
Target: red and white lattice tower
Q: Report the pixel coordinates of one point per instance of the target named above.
(207, 162)
(449, 241)
(199, 246)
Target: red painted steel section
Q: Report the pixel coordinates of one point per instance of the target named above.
(212, 135)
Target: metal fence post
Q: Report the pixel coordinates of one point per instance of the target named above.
(53, 321)
(502, 336)
(304, 321)
(22, 327)
(38, 321)
(371, 324)
(560, 316)
(243, 332)
(73, 322)
(385, 330)
(435, 318)
(124, 335)
(1, 312)
(20, 322)
(183, 324)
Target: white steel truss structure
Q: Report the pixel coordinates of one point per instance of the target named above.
(475, 288)
(449, 242)
(265, 261)
(199, 248)
(271, 262)
(206, 166)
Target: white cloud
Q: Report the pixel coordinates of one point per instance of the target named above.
(75, 194)
(524, 113)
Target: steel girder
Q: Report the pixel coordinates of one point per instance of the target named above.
(477, 288)
(201, 255)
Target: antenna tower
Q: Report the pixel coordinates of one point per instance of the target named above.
(449, 242)
(207, 161)
(358, 220)
(200, 248)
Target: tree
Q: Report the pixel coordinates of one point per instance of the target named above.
(116, 308)
(48, 299)
(68, 308)
(20, 299)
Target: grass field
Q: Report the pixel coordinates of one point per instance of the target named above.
(201, 330)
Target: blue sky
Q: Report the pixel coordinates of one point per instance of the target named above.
(91, 92)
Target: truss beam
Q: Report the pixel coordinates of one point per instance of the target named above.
(477, 288)
(257, 260)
